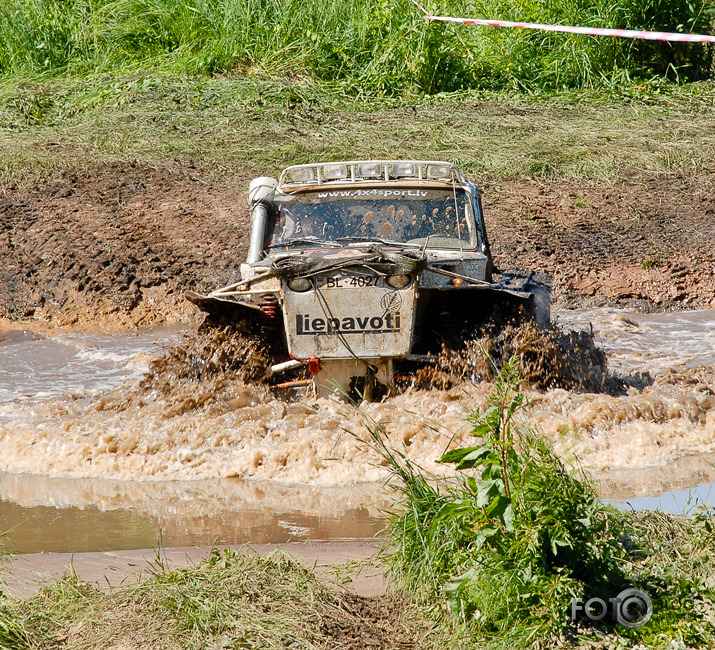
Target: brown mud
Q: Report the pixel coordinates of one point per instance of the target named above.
(643, 242)
(116, 248)
(200, 368)
(549, 358)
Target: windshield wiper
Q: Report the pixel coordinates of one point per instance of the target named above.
(380, 240)
(305, 240)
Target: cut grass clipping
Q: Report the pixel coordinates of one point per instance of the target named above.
(506, 547)
(231, 600)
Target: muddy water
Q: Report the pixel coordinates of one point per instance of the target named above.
(78, 436)
(64, 515)
(652, 343)
(34, 366)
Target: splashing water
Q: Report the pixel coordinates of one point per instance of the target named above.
(190, 419)
(80, 428)
(550, 358)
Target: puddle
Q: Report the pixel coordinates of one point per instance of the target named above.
(47, 529)
(43, 514)
(677, 488)
(676, 502)
(75, 515)
(243, 466)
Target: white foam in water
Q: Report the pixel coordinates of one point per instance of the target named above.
(38, 367)
(102, 355)
(648, 342)
(292, 529)
(242, 431)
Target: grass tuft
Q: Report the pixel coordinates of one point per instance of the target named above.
(13, 635)
(503, 548)
(230, 600)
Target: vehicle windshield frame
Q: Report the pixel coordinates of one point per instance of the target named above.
(433, 217)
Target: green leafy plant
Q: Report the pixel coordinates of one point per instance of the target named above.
(513, 538)
(537, 527)
(502, 548)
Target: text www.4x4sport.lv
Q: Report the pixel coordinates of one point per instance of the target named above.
(420, 194)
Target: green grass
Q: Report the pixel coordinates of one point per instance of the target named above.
(248, 87)
(382, 47)
(242, 127)
(504, 548)
(13, 634)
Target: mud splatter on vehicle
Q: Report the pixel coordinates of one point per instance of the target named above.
(356, 268)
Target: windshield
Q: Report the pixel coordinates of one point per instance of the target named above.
(407, 216)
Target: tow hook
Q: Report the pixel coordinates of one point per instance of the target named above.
(313, 365)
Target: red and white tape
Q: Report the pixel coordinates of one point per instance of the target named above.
(591, 31)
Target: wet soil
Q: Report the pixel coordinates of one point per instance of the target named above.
(644, 243)
(117, 247)
(25, 575)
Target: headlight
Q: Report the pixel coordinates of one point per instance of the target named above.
(300, 284)
(370, 170)
(335, 172)
(441, 172)
(403, 169)
(398, 281)
(302, 174)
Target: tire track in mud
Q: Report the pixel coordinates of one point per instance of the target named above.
(644, 243)
(117, 247)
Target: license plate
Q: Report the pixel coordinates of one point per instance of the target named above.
(350, 281)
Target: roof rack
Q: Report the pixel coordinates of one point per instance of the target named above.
(370, 171)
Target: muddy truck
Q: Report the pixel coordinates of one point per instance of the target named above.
(358, 271)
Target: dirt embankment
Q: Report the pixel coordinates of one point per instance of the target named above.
(640, 243)
(117, 248)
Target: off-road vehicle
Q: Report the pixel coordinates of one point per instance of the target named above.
(356, 266)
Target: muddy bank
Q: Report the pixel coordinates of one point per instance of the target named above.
(117, 247)
(25, 575)
(645, 243)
